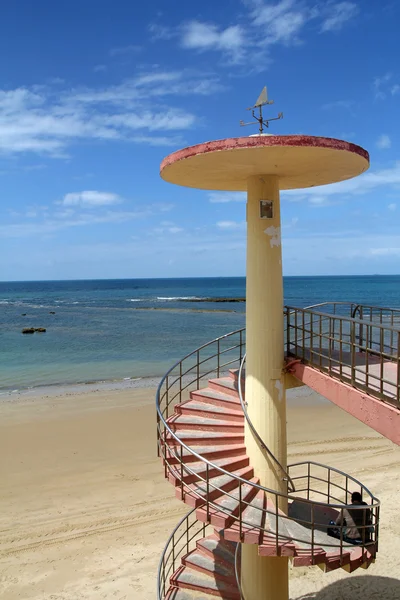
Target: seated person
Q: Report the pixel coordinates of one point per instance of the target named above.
(357, 522)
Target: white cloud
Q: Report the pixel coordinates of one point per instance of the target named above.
(337, 15)
(100, 68)
(384, 142)
(205, 36)
(224, 197)
(90, 198)
(395, 89)
(280, 22)
(229, 225)
(319, 201)
(249, 36)
(385, 251)
(50, 222)
(347, 104)
(168, 227)
(392, 206)
(359, 185)
(381, 86)
(39, 120)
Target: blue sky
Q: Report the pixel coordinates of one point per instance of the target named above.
(94, 94)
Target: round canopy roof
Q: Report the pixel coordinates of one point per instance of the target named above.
(300, 161)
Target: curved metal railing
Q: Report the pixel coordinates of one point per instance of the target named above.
(313, 480)
(260, 441)
(181, 541)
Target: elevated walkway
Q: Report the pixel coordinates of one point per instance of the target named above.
(350, 354)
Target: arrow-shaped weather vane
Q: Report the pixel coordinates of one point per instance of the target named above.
(262, 100)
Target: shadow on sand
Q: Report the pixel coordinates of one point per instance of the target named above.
(367, 587)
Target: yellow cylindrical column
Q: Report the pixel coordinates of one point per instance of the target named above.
(265, 578)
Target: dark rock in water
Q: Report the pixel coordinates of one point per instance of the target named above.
(52, 312)
(23, 314)
(40, 329)
(28, 330)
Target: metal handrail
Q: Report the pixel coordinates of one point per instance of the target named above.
(354, 307)
(169, 451)
(254, 431)
(294, 309)
(238, 551)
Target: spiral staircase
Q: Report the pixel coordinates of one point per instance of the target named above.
(201, 414)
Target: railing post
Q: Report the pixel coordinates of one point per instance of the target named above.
(218, 357)
(173, 553)
(166, 396)
(198, 368)
(312, 533)
(180, 382)
(398, 370)
(329, 485)
(341, 534)
(276, 525)
(158, 435)
(287, 340)
(240, 512)
(181, 461)
(353, 350)
(208, 492)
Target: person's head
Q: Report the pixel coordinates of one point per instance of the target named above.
(356, 497)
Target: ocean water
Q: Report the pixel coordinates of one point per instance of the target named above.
(116, 329)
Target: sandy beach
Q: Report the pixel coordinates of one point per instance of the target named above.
(85, 510)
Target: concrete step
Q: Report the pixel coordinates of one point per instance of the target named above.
(210, 411)
(199, 469)
(214, 567)
(185, 578)
(226, 385)
(252, 522)
(177, 594)
(196, 493)
(218, 398)
(209, 453)
(214, 546)
(181, 422)
(225, 508)
(196, 437)
(234, 374)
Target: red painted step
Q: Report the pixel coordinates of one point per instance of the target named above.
(214, 438)
(212, 396)
(197, 470)
(180, 422)
(192, 580)
(209, 453)
(226, 385)
(227, 507)
(209, 411)
(196, 493)
(213, 567)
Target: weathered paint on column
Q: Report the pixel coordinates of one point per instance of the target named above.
(263, 577)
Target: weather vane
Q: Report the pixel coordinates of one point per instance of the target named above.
(262, 100)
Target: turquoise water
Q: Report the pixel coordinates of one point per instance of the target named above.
(116, 329)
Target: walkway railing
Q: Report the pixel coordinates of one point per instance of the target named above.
(363, 352)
